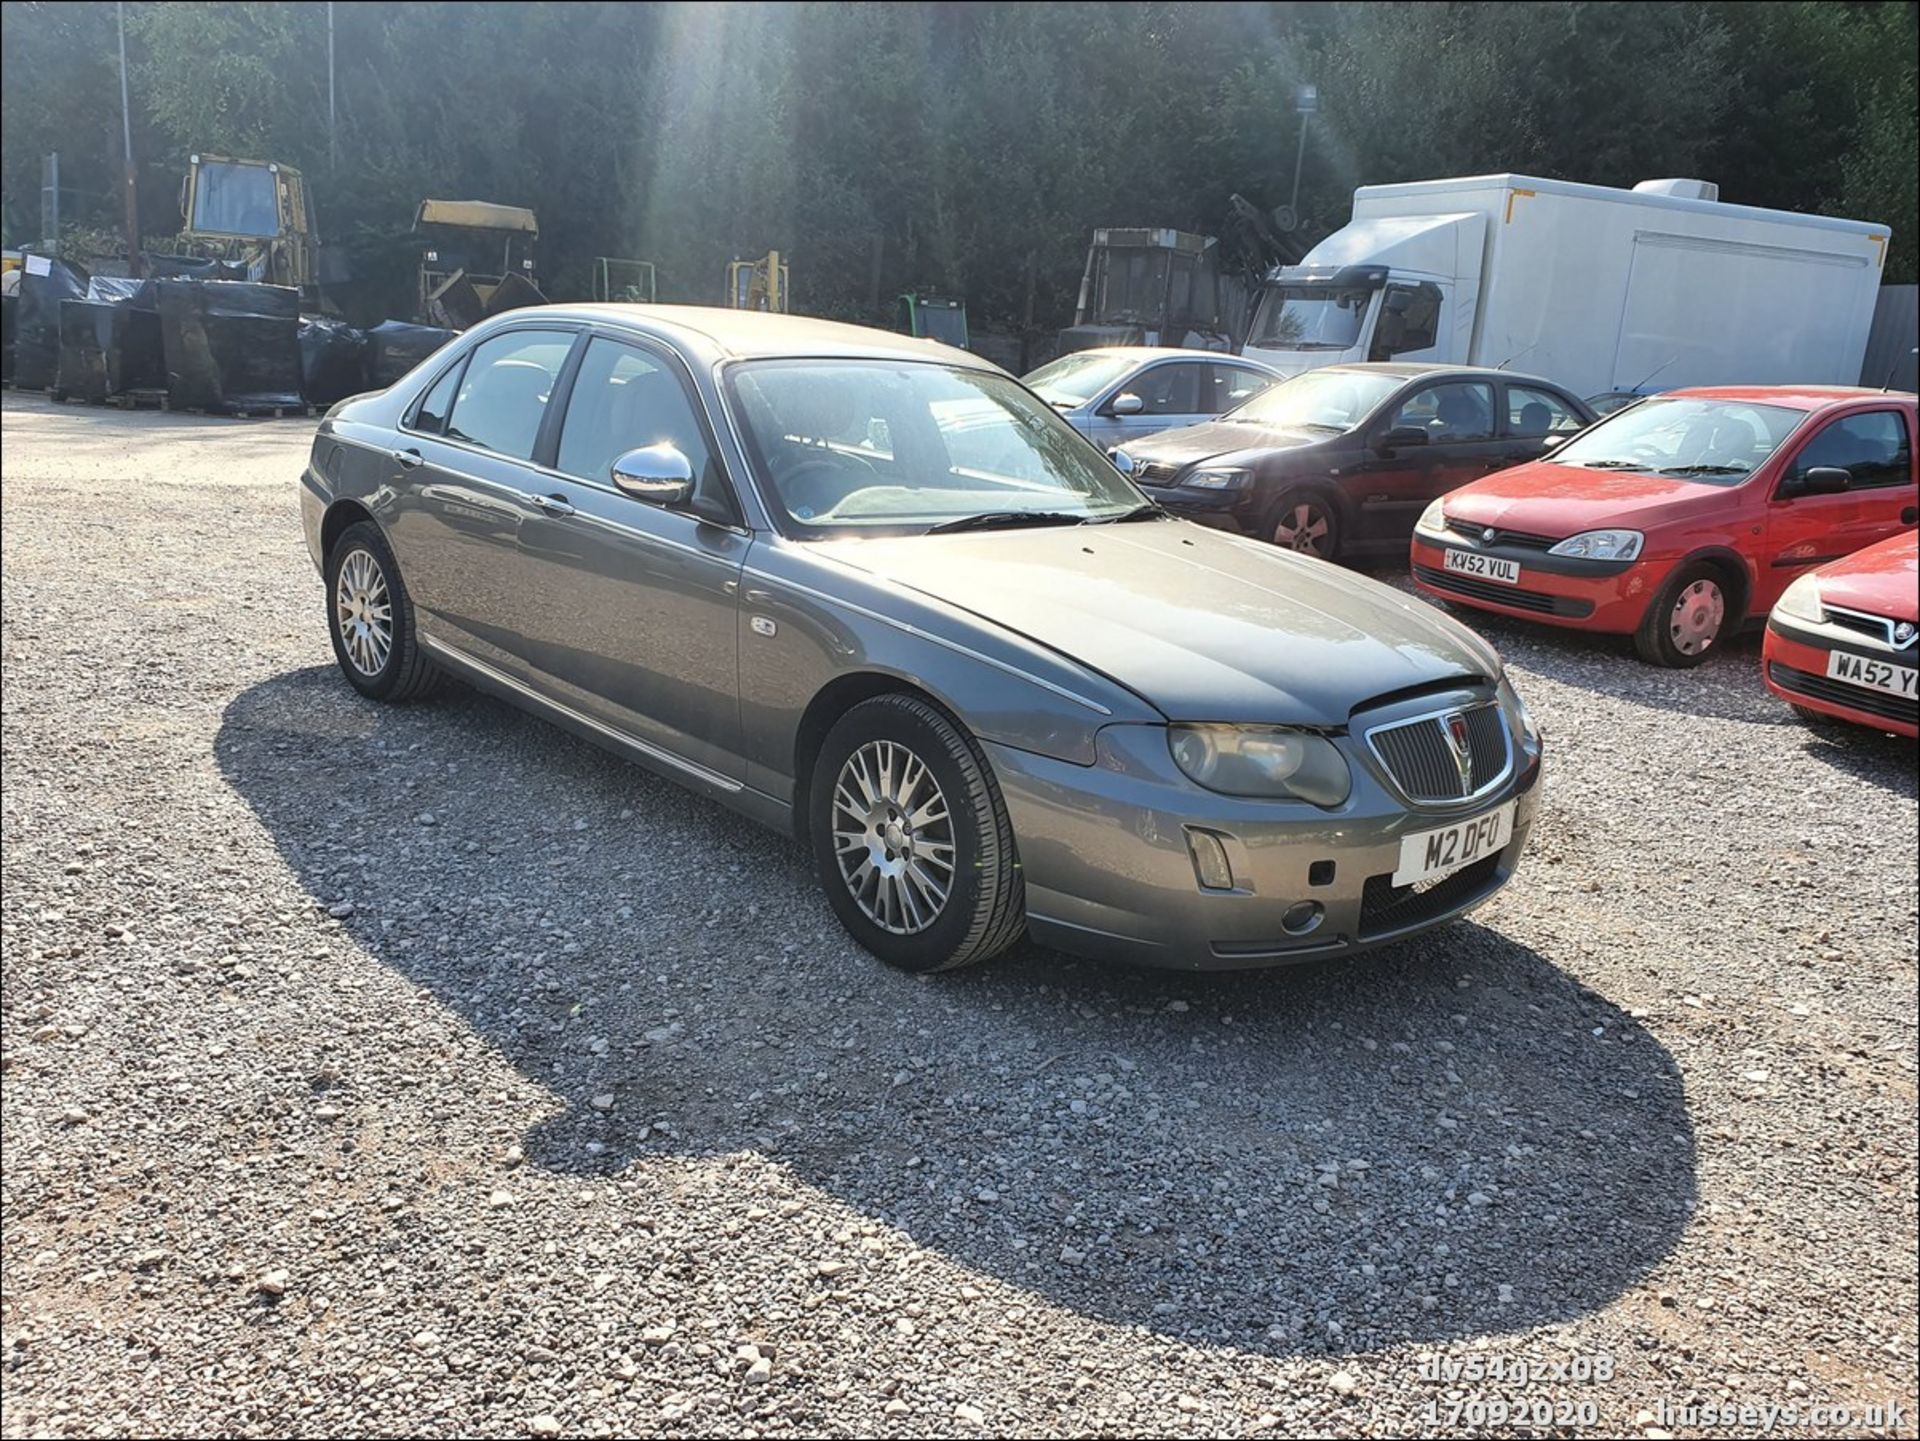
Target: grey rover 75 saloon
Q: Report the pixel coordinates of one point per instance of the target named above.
(871, 589)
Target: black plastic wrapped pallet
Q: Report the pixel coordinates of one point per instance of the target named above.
(394, 348)
(86, 336)
(333, 360)
(135, 360)
(9, 313)
(230, 345)
(44, 283)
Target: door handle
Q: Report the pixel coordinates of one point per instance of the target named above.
(1909, 515)
(409, 458)
(552, 504)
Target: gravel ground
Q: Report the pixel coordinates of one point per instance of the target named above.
(400, 1071)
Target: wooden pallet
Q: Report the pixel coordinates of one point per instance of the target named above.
(260, 412)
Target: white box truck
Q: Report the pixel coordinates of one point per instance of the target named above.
(1600, 289)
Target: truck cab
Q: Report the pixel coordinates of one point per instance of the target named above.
(1384, 289)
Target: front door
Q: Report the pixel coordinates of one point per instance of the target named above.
(1170, 397)
(1875, 447)
(1396, 482)
(637, 624)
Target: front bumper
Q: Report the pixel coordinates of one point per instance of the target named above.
(1196, 503)
(1793, 663)
(1606, 596)
(1109, 872)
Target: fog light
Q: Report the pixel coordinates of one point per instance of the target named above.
(1210, 861)
(1303, 919)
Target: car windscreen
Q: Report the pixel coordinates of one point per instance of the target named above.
(1716, 442)
(870, 447)
(1309, 317)
(1319, 400)
(235, 200)
(1073, 380)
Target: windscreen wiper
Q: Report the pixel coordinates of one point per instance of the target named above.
(1149, 511)
(1606, 464)
(1705, 469)
(994, 519)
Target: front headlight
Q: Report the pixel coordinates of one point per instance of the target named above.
(1801, 600)
(1268, 761)
(1601, 545)
(1225, 479)
(1433, 520)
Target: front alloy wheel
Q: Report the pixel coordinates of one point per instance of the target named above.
(911, 838)
(1305, 522)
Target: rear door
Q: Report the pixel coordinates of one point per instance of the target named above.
(1393, 486)
(464, 461)
(1535, 418)
(1230, 385)
(1875, 446)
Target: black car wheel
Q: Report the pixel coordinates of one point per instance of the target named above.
(370, 619)
(911, 838)
(1306, 521)
(1687, 617)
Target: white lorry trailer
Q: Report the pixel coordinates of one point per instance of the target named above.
(1600, 289)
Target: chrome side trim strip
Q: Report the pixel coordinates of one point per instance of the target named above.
(460, 658)
(919, 634)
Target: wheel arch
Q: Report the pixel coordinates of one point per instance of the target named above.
(341, 514)
(1733, 568)
(835, 699)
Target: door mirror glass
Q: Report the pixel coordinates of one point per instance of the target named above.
(658, 474)
(1401, 436)
(1822, 480)
(1127, 403)
(1122, 462)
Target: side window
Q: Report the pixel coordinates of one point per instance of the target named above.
(624, 398)
(1409, 320)
(503, 394)
(1170, 389)
(431, 414)
(1532, 414)
(1233, 384)
(1455, 411)
(1872, 446)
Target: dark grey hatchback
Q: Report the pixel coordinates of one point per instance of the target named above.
(872, 589)
(1341, 461)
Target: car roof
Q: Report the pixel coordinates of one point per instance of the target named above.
(1164, 352)
(1793, 397)
(721, 334)
(1413, 370)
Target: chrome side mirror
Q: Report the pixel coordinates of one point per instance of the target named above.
(1127, 403)
(1122, 462)
(658, 474)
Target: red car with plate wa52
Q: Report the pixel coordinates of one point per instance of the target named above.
(1678, 518)
(1841, 641)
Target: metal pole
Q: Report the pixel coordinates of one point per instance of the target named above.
(126, 142)
(1299, 155)
(333, 151)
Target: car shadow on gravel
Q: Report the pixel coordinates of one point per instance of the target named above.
(1888, 761)
(1442, 1140)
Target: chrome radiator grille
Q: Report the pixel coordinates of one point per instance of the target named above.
(1446, 757)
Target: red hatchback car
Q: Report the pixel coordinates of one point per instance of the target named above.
(1678, 518)
(1841, 641)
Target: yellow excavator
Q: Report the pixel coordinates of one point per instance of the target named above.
(476, 259)
(251, 213)
(758, 284)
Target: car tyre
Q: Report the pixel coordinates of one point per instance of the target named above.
(370, 619)
(911, 838)
(1306, 520)
(1687, 618)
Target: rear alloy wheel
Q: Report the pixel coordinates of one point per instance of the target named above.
(1305, 521)
(911, 838)
(1686, 619)
(370, 619)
